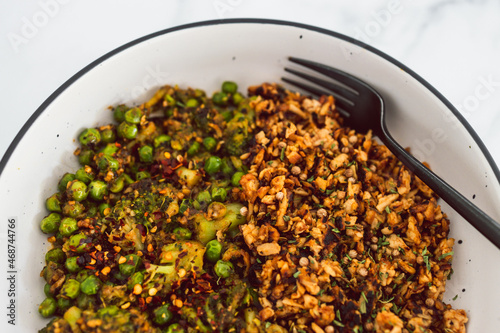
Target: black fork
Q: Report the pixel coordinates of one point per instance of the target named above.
(363, 109)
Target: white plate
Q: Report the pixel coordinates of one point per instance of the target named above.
(249, 52)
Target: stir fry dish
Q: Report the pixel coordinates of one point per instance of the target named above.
(243, 214)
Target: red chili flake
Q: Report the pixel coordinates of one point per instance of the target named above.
(89, 267)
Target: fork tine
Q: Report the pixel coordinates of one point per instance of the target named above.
(340, 105)
(338, 90)
(347, 79)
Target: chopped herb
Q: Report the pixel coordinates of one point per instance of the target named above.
(310, 179)
(286, 218)
(296, 274)
(335, 230)
(386, 301)
(282, 155)
(291, 241)
(444, 255)
(455, 298)
(338, 315)
(387, 210)
(362, 304)
(268, 324)
(338, 323)
(393, 191)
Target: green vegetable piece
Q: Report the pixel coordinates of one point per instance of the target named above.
(227, 167)
(77, 190)
(119, 113)
(97, 190)
(227, 115)
(229, 87)
(184, 205)
(237, 98)
(48, 307)
(111, 311)
(90, 136)
(108, 135)
(182, 233)
(204, 197)
(86, 157)
(133, 116)
(192, 103)
(146, 154)
(71, 316)
(223, 269)
(68, 226)
(175, 328)
(79, 243)
(106, 162)
(71, 265)
(63, 303)
(55, 255)
(73, 209)
(84, 176)
(50, 224)
(66, 178)
(206, 230)
(188, 176)
(109, 149)
(209, 143)
(90, 285)
(213, 165)
(219, 194)
(220, 98)
(136, 278)
(128, 268)
(162, 315)
(214, 251)
(127, 131)
(194, 149)
(142, 175)
(160, 140)
(70, 289)
(85, 302)
(235, 180)
(53, 203)
(46, 290)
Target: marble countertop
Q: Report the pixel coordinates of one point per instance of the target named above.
(453, 44)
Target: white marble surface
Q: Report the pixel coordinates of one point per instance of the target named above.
(453, 44)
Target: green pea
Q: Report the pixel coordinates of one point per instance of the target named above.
(162, 315)
(63, 303)
(66, 178)
(109, 149)
(91, 211)
(170, 99)
(97, 190)
(133, 116)
(227, 167)
(235, 180)
(46, 290)
(70, 289)
(237, 98)
(127, 131)
(223, 269)
(175, 328)
(142, 175)
(227, 115)
(90, 136)
(111, 311)
(119, 113)
(106, 162)
(229, 87)
(182, 233)
(103, 209)
(50, 224)
(48, 307)
(193, 149)
(219, 194)
(53, 203)
(117, 185)
(71, 265)
(209, 143)
(77, 190)
(192, 103)
(213, 165)
(108, 135)
(136, 278)
(82, 275)
(85, 175)
(68, 226)
(86, 157)
(56, 255)
(220, 98)
(90, 285)
(160, 140)
(128, 268)
(79, 243)
(73, 209)
(146, 154)
(204, 197)
(213, 251)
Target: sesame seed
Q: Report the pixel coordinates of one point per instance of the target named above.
(122, 260)
(106, 270)
(304, 262)
(182, 272)
(280, 196)
(137, 289)
(321, 212)
(126, 305)
(296, 170)
(353, 254)
(329, 329)
(152, 291)
(243, 211)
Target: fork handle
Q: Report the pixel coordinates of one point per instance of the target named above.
(475, 216)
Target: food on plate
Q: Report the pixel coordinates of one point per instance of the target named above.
(243, 214)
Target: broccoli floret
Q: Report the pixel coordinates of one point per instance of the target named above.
(237, 133)
(206, 230)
